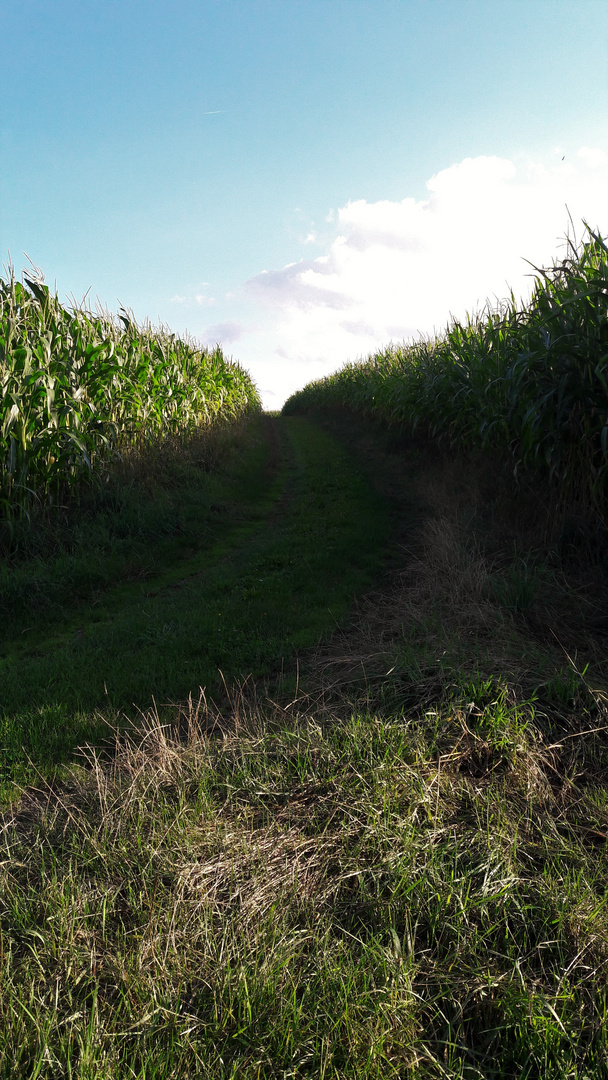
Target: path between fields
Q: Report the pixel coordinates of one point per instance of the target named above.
(276, 570)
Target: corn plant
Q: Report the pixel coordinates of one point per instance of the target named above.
(77, 388)
(528, 380)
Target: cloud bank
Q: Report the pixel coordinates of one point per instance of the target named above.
(396, 270)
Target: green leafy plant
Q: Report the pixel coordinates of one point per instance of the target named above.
(530, 380)
(78, 389)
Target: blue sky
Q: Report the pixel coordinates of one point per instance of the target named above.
(302, 180)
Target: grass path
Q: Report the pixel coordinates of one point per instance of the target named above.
(400, 874)
(259, 561)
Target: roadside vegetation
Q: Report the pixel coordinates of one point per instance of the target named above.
(377, 846)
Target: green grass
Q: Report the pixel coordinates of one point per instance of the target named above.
(205, 577)
(395, 868)
(312, 895)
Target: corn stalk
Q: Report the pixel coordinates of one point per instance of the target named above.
(77, 388)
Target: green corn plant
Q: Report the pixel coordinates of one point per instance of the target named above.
(530, 381)
(78, 388)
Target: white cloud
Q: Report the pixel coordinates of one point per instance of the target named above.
(396, 270)
(224, 333)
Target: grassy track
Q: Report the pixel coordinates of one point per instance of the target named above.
(233, 573)
(401, 873)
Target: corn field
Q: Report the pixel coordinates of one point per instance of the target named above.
(528, 380)
(77, 389)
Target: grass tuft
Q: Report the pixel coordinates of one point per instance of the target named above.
(381, 896)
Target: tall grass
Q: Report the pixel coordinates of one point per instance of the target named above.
(527, 379)
(77, 388)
